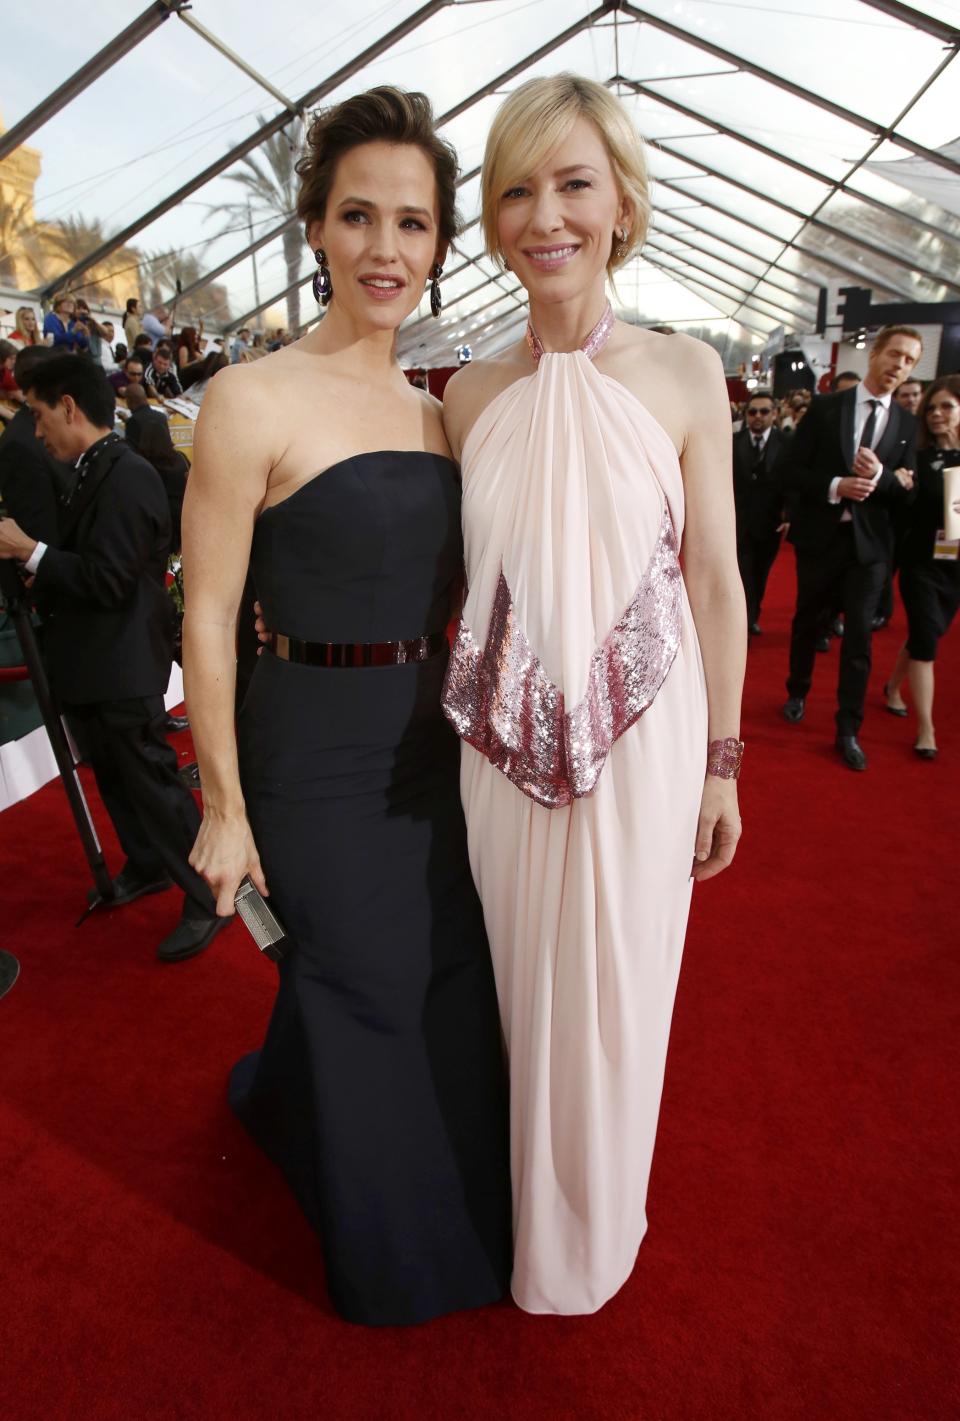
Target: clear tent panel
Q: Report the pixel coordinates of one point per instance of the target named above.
(765, 176)
(932, 120)
(793, 41)
(941, 186)
(925, 254)
(684, 220)
(744, 282)
(802, 262)
(740, 219)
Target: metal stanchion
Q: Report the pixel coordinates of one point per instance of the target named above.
(18, 605)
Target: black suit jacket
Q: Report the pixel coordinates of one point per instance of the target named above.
(756, 489)
(109, 626)
(136, 421)
(820, 451)
(32, 483)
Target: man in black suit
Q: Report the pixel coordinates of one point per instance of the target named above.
(846, 467)
(758, 500)
(32, 483)
(108, 641)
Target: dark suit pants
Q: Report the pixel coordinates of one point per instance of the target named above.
(153, 812)
(826, 578)
(756, 556)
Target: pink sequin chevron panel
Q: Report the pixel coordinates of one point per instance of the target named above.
(501, 701)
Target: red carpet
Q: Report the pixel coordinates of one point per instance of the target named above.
(801, 1255)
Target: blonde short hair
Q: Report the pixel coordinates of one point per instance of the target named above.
(531, 123)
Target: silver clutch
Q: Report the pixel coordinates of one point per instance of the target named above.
(263, 924)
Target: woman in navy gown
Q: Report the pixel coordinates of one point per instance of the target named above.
(379, 1089)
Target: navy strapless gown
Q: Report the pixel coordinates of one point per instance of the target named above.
(380, 1088)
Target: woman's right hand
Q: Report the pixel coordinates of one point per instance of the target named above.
(263, 632)
(224, 854)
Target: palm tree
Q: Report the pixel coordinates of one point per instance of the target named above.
(73, 238)
(22, 249)
(269, 180)
(160, 273)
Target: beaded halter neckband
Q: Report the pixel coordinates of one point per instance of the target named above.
(591, 347)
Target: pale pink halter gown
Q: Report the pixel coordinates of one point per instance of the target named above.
(577, 683)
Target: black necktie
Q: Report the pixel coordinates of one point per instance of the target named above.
(870, 428)
(757, 454)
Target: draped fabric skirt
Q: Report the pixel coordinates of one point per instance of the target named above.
(379, 1090)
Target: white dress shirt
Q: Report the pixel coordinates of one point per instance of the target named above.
(861, 414)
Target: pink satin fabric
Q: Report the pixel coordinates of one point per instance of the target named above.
(573, 509)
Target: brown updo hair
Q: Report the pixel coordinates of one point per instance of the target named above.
(381, 115)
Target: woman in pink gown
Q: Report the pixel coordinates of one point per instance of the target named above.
(595, 685)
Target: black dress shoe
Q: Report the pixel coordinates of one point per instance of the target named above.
(190, 936)
(893, 710)
(851, 753)
(926, 752)
(879, 623)
(173, 724)
(793, 709)
(127, 887)
(755, 629)
(836, 627)
(822, 643)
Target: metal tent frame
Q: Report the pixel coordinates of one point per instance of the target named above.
(682, 243)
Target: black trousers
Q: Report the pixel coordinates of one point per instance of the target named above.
(153, 812)
(756, 556)
(827, 578)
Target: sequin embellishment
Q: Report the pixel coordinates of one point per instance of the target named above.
(501, 701)
(591, 347)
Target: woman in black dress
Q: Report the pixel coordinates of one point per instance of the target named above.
(379, 1089)
(929, 567)
(151, 438)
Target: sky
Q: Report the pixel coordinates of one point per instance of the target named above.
(173, 104)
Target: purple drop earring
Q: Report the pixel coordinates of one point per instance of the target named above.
(436, 299)
(322, 285)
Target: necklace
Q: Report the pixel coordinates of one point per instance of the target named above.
(591, 347)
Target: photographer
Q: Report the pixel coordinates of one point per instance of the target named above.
(108, 637)
(99, 335)
(60, 328)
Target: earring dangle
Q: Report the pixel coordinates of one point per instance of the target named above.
(322, 285)
(621, 250)
(436, 299)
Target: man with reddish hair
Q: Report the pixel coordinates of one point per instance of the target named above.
(848, 464)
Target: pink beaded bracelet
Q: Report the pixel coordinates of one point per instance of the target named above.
(724, 758)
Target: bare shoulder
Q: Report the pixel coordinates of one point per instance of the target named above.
(232, 389)
(680, 354)
(677, 378)
(473, 387)
(237, 437)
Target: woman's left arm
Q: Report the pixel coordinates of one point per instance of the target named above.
(714, 588)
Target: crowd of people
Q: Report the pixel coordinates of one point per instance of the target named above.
(149, 354)
(855, 481)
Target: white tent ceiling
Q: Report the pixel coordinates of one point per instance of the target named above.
(780, 136)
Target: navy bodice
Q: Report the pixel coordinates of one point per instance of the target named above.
(370, 550)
